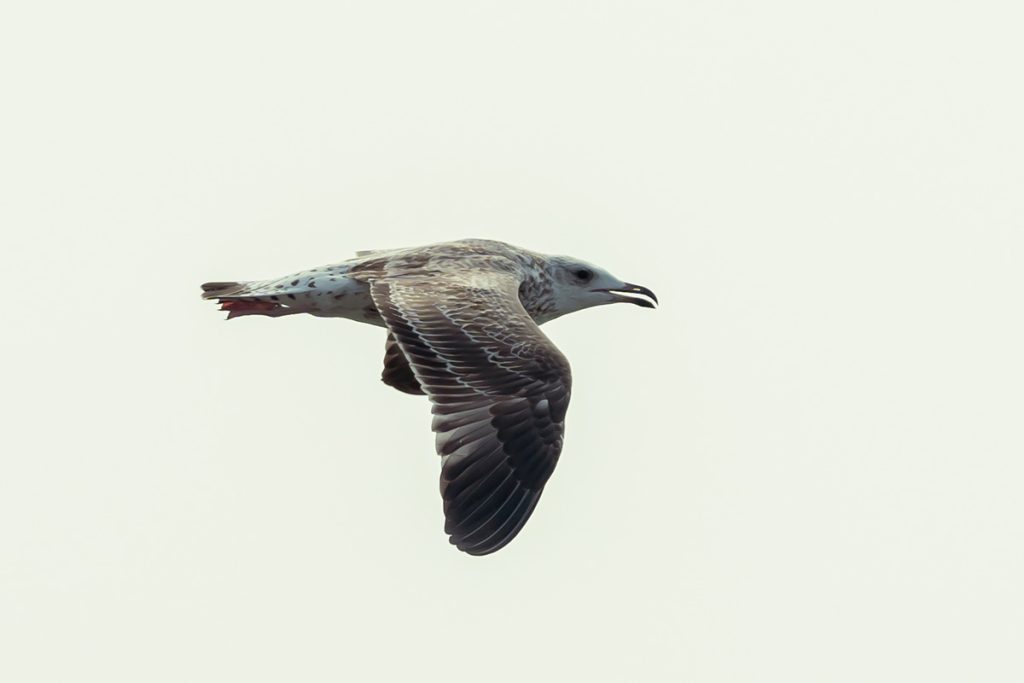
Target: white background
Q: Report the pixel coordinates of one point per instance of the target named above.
(805, 466)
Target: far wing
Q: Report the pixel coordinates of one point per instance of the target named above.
(397, 372)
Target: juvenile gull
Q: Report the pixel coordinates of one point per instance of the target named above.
(462, 320)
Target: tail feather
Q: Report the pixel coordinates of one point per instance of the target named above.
(216, 290)
(268, 308)
(238, 299)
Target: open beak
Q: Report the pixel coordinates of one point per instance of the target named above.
(633, 294)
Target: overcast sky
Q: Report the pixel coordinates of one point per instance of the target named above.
(805, 466)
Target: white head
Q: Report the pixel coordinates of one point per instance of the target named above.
(577, 285)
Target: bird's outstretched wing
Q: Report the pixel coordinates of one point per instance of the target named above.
(499, 388)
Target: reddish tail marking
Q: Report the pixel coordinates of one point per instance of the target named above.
(239, 308)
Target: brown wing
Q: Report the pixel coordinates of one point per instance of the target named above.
(499, 390)
(397, 372)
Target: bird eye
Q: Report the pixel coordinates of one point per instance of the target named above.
(583, 274)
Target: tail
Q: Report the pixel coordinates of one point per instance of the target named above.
(238, 299)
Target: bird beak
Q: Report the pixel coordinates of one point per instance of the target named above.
(633, 294)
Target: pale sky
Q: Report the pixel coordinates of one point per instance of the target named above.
(806, 465)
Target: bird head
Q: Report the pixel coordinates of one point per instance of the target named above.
(577, 285)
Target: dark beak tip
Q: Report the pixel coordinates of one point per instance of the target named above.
(631, 289)
(640, 289)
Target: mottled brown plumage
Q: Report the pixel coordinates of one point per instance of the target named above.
(500, 391)
(462, 320)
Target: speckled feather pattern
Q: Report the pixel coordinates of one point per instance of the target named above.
(343, 289)
(500, 391)
(462, 320)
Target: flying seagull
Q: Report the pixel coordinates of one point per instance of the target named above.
(462, 320)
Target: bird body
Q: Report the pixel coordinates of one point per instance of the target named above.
(462, 320)
(343, 289)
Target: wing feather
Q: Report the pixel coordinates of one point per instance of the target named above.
(397, 372)
(499, 388)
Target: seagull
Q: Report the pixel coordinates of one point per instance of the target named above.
(463, 329)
